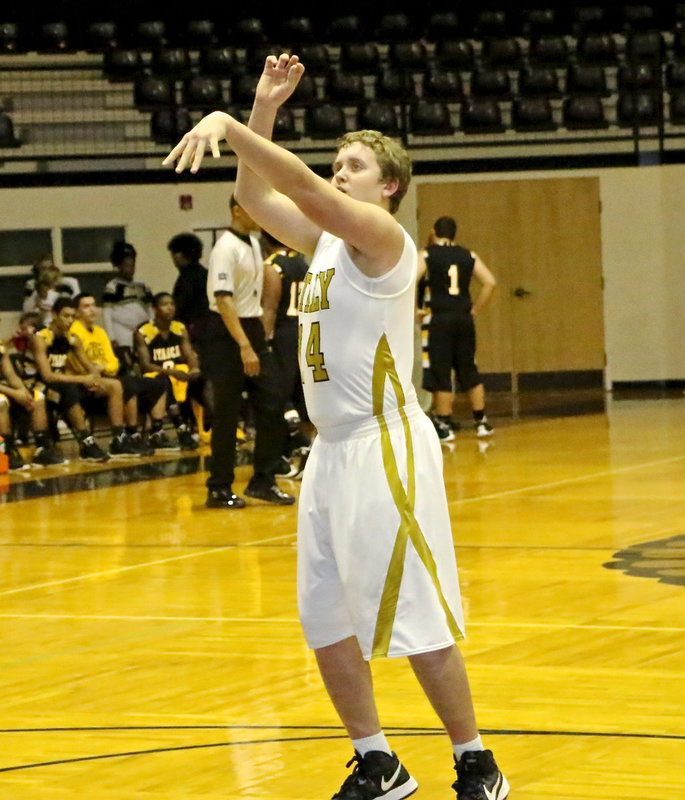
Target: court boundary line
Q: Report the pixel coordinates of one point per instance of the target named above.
(130, 567)
(342, 735)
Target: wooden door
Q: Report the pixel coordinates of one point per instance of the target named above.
(542, 240)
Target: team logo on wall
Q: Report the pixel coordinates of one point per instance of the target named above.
(663, 560)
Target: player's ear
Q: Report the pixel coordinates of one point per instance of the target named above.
(390, 187)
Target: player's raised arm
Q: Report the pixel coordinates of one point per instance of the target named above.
(271, 209)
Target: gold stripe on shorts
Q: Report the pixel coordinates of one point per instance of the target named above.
(384, 368)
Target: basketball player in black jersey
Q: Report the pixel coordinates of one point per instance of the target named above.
(284, 271)
(446, 269)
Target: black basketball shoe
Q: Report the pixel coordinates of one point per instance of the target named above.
(376, 775)
(479, 778)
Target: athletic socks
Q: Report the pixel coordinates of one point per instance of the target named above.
(479, 416)
(474, 744)
(376, 743)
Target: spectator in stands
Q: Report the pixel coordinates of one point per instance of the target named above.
(140, 394)
(44, 295)
(164, 351)
(19, 402)
(52, 348)
(18, 348)
(67, 286)
(126, 303)
(190, 289)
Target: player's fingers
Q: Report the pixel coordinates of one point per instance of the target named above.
(214, 144)
(186, 156)
(199, 155)
(176, 152)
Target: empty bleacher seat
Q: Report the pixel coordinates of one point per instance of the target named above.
(490, 83)
(540, 21)
(638, 108)
(679, 42)
(639, 15)
(442, 25)
(153, 91)
(122, 65)
(243, 89)
(168, 125)
(359, 57)
(316, 58)
(394, 28)
(345, 29)
(171, 61)
(430, 118)
(644, 45)
(248, 32)
(455, 54)
(584, 113)
(393, 85)
(200, 33)
(325, 121)
(677, 107)
(297, 31)
(539, 81)
(598, 48)
(591, 19)
(9, 37)
(481, 115)
(150, 34)
(444, 85)
(639, 76)
(675, 75)
(491, 22)
(53, 37)
(502, 51)
(101, 36)
(203, 92)
(549, 50)
(532, 114)
(219, 61)
(409, 56)
(379, 117)
(586, 79)
(284, 125)
(344, 87)
(305, 94)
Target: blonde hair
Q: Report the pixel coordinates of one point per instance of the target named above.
(392, 158)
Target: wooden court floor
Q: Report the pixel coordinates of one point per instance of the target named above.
(151, 649)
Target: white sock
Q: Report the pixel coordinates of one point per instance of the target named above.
(474, 744)
(378, 742)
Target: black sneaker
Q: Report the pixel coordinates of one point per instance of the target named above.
(484, 429)
(223, 498)
(144, 448)
(298, 461)
(91, 451)
(160, 441)
(123, 447)
(186, 441)
(479, 778)
(16, 462)
(283, 469)
(270, 494)
(443, 429)
(48, 457)
(376, 775)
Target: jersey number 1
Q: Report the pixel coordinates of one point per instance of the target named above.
(313, 355)
(453, 272)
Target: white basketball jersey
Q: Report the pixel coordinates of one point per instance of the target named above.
(356, 349)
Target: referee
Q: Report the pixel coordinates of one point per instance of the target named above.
(235, 357)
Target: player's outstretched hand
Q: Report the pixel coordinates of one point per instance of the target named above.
(279, 79)
(210, 130)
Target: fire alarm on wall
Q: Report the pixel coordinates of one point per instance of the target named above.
(185, 201)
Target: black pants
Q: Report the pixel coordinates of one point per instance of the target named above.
(222, 364)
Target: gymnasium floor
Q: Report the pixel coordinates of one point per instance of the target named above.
(151, 649)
